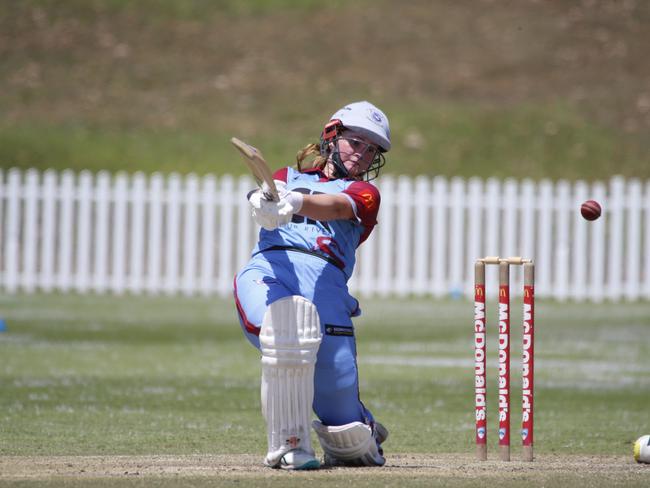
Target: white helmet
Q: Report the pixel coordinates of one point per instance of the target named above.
(368, 120)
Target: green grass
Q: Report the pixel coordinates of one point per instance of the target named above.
(81, 147)
(191, 10)
(166, 378)
(454, 140)
(521, 141)
(163, 85)
(101, 375)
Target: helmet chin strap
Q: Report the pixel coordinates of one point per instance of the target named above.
(340, 171)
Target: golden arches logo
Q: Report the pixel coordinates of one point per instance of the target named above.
(369, 199)
(503, 292)
(478, 291)
(527, 293)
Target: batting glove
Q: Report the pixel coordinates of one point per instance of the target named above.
(269, 214)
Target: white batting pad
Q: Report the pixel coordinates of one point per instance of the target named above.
(289, 338)
(351, 444)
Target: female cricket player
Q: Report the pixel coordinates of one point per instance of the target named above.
(293, 301)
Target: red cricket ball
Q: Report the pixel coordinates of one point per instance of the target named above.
(591, 210)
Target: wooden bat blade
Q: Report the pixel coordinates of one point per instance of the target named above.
(248, 152)
(257, 166)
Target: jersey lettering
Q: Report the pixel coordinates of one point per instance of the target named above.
(299, 219)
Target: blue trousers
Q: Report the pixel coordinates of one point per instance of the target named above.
(272, 275)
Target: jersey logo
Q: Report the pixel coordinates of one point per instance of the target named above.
(369, 199)
(328, 246)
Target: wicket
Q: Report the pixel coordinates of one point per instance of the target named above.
(480, 354)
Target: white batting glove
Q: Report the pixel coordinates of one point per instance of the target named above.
(269, 214)
(292, 199)
(264, 212)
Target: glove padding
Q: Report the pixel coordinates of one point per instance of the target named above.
(269, 214)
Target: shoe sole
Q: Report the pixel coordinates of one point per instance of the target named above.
(313, 464)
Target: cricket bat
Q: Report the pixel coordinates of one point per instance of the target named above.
(258, 167)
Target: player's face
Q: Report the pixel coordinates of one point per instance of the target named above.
(357, 153)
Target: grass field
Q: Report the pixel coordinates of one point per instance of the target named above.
(109, 391)
(525, 89)
(95, 389)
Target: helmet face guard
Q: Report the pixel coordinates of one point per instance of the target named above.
(332, 134)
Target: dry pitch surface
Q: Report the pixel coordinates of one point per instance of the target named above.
(619, 470)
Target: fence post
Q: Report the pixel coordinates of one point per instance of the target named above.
(578, 289)
(562, 240)
(226, 235)
(119, 197)
(66, 210)
(84, 231)
(422, 211)
(596, 288)
(12, 229)
(156, 197)
(403, 251)
(190, 190)
(102, 202)
(439, 237)
(529, 204)
(30, 234)
(208, 243)
(456, 251)
(510, 209)
(633, 205)
(49, 228)
(244, 221)
(615, 248)
(137, 191)
(386, 237)
(476, 233)
(172, 234)
(493, 227)
(544, 261)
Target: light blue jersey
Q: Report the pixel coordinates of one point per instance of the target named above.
(315, 260)
(337, 240)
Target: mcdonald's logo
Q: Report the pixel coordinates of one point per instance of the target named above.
(527, 293)
(502, 292)
(478, 291)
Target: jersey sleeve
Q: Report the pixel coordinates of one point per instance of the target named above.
(366, 200)
(281, 174)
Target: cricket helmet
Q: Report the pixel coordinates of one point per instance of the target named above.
(366, 120)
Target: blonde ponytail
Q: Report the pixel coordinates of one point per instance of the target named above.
(307, 151)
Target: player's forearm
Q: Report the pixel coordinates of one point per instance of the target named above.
(326, 207)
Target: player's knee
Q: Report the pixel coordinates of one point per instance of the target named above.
(290, 331)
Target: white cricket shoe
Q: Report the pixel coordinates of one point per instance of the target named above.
(296, 459)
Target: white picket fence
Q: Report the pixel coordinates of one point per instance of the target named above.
(186, 234)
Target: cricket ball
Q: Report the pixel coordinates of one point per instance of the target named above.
(591, 210)
(642, 449)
